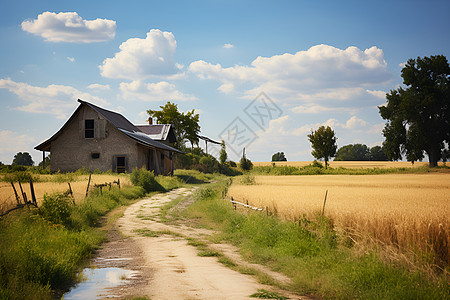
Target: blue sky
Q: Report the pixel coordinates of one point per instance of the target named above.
(262, 74)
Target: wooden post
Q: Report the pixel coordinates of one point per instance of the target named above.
(267, 210)
(15, 192)
(33, 196)
(118, 183)
(43, 160)
(87, 189)
(24, 196)
(324, 201)
(70, 189)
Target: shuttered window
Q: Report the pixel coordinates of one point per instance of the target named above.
(89, 129)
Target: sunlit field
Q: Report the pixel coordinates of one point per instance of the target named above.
(404, 210)
(349, 164)
(56, 183)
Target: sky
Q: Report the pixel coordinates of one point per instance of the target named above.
(261, 74)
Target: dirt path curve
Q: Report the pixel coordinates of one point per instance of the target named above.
(169, 268)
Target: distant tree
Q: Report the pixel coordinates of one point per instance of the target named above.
(279, 156)
(47, 161)
(245, 163)
(223, 153)
(377, 154)
(356, 152)
(1, 164)
(323, 142)
(23, 159)
(186, 124)
(418, 115)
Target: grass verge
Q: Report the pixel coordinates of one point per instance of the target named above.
(312, 254)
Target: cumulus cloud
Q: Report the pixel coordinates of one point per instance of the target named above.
(12, 142)
(70, 27)
(58, 100)
(71, 59)
(97, 86)
(228, 46)
(321, 73)
(161, 91)
(143, 58)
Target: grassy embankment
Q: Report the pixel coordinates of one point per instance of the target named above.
(319, 259)
(41, 250)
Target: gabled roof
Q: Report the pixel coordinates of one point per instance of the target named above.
(159, 132)
(118, 121)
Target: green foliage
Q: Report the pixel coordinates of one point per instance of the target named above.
(417, 116)
(323, 142)
(223, 153)
(186, 124)
(23, 159)
(356, 152)
(56, 208)
(20, 177)
(247, 179)
(279, 156)
(145, 179)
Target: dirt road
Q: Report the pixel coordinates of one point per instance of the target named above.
(168, 267)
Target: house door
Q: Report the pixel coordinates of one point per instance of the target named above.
(121, 166)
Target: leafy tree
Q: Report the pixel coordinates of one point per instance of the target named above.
(418, 116)
(279, 156)
(245, 163)
(23, 159)
(356, 152)
(377, 154)
(223, 153)
(323, 142)
(186, 124)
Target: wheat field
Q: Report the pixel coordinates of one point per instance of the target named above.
(350, 164)
(404, 210)
(51, 184)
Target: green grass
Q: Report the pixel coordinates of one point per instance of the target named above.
(263, 294)
(42, 250)
(312, 254)
(317, 170)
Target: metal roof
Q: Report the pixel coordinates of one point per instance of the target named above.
(160, 132)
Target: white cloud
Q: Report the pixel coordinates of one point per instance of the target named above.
(143, 58)
(379, 94)
(71, 59)
(97, 86)
(161, 91)
(12, 142)
(70, 27)
(321, 73)
(228, 46)
(58, 100)
(226, 88)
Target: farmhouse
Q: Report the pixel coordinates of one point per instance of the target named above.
(96, 138)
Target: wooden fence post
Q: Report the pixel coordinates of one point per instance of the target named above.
(15, 192)
(33, 196)
(324, 201)
(25, 200)
(89, 181)
(70, 189)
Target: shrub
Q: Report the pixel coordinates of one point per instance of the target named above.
(146, 179)
(246, 164)
(56, 208)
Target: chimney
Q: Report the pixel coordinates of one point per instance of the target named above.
(150, 121)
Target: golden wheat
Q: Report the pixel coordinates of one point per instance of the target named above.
(46, 184)
(404, 210)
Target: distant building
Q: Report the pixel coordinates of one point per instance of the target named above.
(96, 138)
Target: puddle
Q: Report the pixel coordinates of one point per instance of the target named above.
(97, 281)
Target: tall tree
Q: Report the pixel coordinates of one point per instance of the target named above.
(186, 124)
(377, 154)
(23, 159)
(323, 142)
(418, 116)
(223, 153)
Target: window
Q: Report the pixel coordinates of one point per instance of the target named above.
(89, 129)
(95, 155)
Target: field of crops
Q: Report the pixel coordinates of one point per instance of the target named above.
(349, 164)
(403, 210)
(56, 183)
